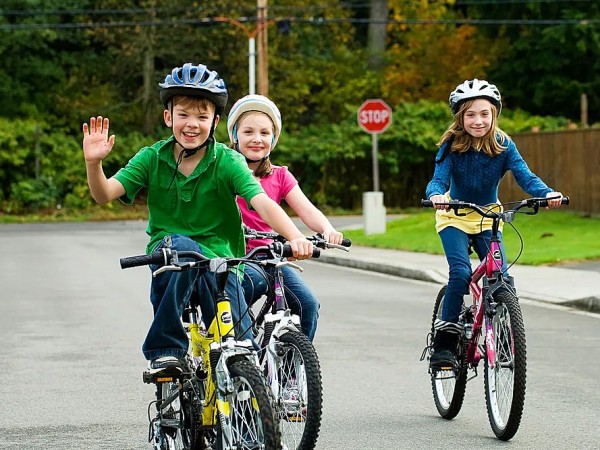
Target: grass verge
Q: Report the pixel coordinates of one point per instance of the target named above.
(550, 237)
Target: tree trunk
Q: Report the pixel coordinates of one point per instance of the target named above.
(149, 94)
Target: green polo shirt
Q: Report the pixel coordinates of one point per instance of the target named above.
(202, 205)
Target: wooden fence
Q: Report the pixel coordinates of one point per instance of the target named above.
(568, 161)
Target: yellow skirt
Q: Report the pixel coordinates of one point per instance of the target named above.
(471, 223)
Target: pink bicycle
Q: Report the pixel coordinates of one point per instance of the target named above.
(496, 315)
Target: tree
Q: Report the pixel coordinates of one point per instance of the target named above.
(545, 68)
(427, 60)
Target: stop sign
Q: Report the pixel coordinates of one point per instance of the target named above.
(374, 116)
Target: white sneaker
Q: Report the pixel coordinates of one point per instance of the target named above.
(164, 364)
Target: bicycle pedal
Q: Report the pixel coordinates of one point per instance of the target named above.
(150, 377)
(442, 368)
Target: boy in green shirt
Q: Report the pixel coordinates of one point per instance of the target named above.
(192, 182)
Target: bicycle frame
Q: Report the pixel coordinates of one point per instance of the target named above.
(491, 267)
(276, 322)
(215, 347)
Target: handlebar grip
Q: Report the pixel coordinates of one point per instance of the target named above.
(287, 251)
(426, 203)
(142, 260)
(564, 201)
(346, 242)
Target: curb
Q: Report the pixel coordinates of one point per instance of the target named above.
(388, 269)
(589, 304)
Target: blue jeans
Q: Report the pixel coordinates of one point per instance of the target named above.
(299, 297)
(456, 244)
(170, 293)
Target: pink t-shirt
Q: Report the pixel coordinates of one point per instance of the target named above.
(277, 185)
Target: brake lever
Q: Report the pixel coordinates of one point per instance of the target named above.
(337, 246)
(175, 266)
(169, 268)
(290, 264)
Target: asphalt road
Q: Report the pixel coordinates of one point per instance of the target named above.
(72, 322)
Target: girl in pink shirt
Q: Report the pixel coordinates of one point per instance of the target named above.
(254, 126)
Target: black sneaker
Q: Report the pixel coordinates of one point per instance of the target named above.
(165, 364)
(444, 350)
(443, 358)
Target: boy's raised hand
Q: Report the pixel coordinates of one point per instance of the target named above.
(96, 142)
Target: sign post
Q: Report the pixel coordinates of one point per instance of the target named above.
(374, 116)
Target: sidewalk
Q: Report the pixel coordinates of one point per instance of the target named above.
(572, 287)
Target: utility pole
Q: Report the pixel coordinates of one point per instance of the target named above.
(263, 45)
(377, 34)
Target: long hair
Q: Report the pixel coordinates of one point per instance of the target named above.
(265, 168)
(492, 144)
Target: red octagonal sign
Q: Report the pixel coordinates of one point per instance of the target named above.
(374, 116)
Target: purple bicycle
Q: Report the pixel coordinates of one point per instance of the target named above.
(495, 315)
(288, 357)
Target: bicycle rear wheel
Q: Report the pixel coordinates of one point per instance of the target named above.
(448, 386)
(248, 418)
(505, 381)
(300, 401)
(168, 426)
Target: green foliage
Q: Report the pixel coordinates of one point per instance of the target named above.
(518, 121)
(545, 69)
(38, 165)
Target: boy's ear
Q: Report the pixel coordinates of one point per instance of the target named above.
(167, 118)
(217, 117)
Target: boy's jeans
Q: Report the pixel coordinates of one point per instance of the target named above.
(299, 297)
(170, 293)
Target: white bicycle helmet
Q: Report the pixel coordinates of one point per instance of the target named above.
(475, 88)
(254, 102)
(194, 81)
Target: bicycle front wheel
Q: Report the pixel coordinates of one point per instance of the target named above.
(505, 374)
(448, 386)
(247, 418)
(300, 392)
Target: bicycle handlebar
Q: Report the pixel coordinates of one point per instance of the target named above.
(317, 239)
(534, 202)
(166, 256)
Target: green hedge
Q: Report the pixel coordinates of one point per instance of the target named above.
(42, 167)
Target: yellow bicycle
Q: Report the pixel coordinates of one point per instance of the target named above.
(220, 400)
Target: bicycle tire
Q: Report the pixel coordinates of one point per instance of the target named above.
(505, 383)
(448, 386)
(300, 417)
(195, 437)
(251, 420)
(171, 437)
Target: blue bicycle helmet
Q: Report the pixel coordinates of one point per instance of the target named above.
(194, 81)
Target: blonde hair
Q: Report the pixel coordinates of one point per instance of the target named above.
(265, 168)
(492, 144)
